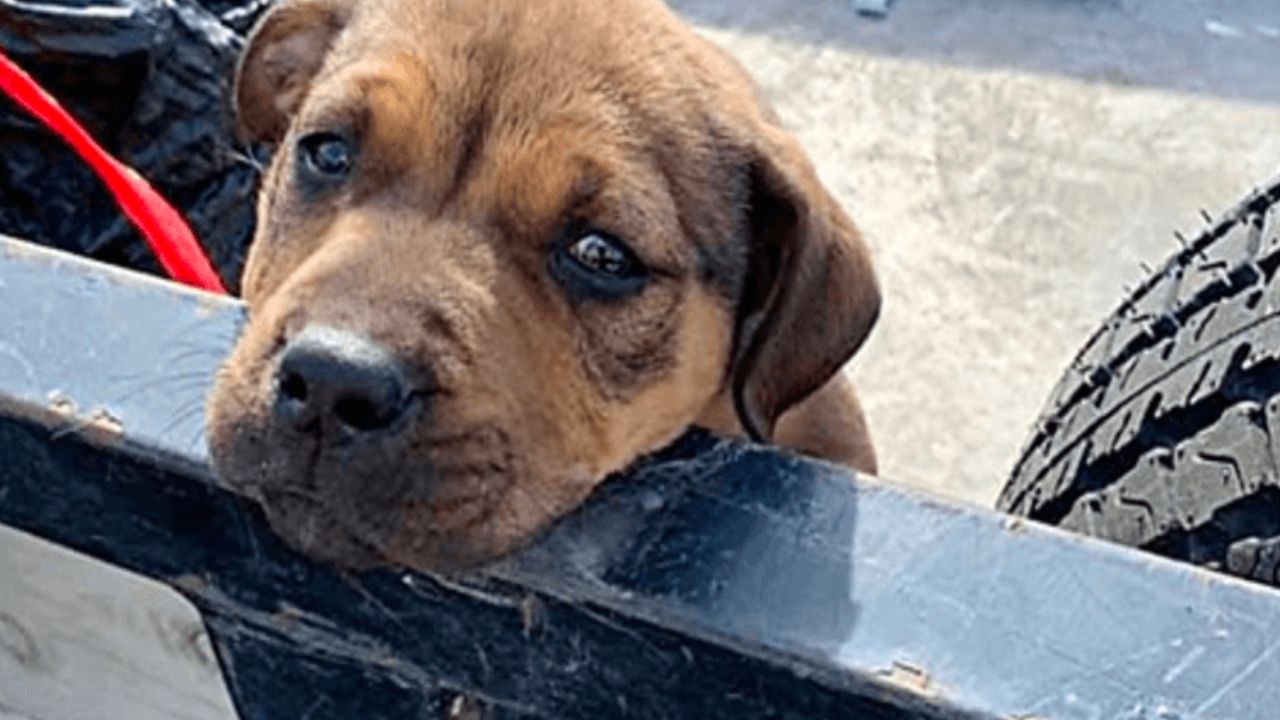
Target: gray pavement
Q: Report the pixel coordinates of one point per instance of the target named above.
(1013, 164)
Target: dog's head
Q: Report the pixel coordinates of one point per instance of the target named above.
(504, 249)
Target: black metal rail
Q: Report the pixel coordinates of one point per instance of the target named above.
(719, 580)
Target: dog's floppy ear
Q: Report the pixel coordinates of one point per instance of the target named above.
(810, 295)
(281, 58)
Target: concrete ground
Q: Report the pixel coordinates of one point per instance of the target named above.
(1012, 163)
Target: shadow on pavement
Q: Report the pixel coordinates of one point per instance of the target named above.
(1224, 48)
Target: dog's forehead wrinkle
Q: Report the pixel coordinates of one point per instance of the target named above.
(473, 126)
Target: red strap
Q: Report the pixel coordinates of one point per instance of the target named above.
(161, 225)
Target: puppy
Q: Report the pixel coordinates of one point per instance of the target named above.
(505, 248)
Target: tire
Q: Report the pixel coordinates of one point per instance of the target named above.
(1164, 434)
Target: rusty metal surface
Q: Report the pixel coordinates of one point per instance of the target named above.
(717, 580)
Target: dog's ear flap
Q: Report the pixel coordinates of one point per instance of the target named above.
(810, 297)
(282, 56)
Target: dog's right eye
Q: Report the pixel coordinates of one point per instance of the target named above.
(325, 156)
(593, 264)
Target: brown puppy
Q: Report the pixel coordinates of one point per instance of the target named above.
(504, 249)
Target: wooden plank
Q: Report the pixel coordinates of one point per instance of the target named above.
(80, 640)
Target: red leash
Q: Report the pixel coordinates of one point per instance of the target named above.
(164, 229)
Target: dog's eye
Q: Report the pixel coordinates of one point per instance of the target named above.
(603, 254)
(325, 155)
(596, 264)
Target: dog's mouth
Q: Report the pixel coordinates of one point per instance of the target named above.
(416, 496)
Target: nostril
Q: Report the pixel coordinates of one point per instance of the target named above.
(361, 414)
(293, 387)
(293, 400)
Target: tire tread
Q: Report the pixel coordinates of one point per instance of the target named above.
(1163, 433)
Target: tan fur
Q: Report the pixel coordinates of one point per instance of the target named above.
(829, 424)
(484, 130)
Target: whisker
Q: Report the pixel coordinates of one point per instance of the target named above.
(178, 382)
(182, 417)
(193, 445)
(246, 158)
(191, 351)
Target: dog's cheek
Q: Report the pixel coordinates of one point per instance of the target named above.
(270, 264)
(582, 430)
(630, 345)
(504, 523)
(259, 261)
(667, 371)
(494, 470)
(705, 349)
(238, 418)
(236, 443)
(289, 231)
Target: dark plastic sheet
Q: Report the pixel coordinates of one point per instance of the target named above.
(149, 79)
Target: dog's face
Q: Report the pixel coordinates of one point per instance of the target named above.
(504, 249)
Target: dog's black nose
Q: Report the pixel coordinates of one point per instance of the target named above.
(335, 380)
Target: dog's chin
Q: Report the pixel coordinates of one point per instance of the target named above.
(444, 513)
(328, 528)
(313, 529)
